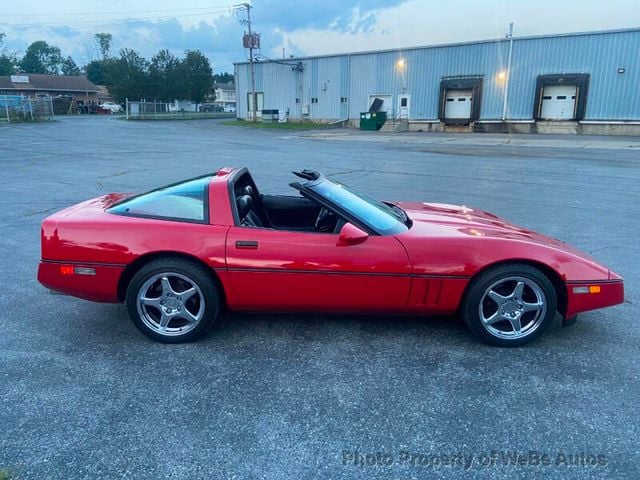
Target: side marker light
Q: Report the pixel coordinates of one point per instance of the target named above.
(71, 270)
(589, 289)
(66, 269)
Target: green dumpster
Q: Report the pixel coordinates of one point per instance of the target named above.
(372, 120)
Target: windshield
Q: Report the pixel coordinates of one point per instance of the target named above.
(380, 217)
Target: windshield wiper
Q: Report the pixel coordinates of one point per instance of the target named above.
(404, 218)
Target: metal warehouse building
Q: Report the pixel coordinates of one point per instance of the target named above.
(575, 83)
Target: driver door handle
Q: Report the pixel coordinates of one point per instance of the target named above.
(247, 244)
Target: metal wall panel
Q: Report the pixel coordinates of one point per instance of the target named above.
(612, 95)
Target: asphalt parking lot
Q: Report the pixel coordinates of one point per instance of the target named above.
(85, 395)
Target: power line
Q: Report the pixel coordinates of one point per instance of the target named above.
(82, 24)
(120, 12)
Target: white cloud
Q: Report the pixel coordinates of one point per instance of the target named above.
(421, 22)
(303, 27)
(144, 25)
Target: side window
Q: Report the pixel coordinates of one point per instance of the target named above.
(186, 201)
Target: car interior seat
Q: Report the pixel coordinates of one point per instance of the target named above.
(247, 213)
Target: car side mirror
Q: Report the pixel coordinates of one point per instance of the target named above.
(351, 235)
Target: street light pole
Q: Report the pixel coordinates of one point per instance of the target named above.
(506, 85)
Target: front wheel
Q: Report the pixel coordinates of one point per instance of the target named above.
(172, 300)
(509, 305)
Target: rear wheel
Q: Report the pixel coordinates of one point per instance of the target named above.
(172, 300)
(509, 305)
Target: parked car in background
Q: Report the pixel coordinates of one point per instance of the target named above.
(111, 107)
(211, 107)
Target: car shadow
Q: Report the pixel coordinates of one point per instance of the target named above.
(110, 324)
(327, 326)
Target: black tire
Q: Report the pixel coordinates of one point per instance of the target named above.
(186, 318)
(493, 314)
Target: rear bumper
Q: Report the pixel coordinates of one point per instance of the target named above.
(102, 286)
(581, 297)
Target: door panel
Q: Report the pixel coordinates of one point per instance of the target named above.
(558, 102)
(259, 101)
(301, 270)
(458, 104)
(404, 107)
(344, 109)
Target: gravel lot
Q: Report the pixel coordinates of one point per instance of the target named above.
(85, 395)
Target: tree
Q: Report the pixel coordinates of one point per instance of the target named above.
(165, 82)
(165, 77)
(7, 65)
(223, 78)
(198, 76)
(41, 57)
(69, 67)
(104, 43)
(7, 60)
(127, 76)
(96, 72)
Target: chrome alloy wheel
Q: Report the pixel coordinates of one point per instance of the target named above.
(170, 303)
(513, 307)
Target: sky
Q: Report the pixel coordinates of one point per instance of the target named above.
(299, 27)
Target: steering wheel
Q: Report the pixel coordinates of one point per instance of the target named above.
(325, 221)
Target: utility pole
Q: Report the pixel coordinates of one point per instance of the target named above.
(506, 85)
(251, 45)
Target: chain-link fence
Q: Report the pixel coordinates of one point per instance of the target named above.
(178, 110)
(16, 108)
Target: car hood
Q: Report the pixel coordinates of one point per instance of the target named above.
(442, 219)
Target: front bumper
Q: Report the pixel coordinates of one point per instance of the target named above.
(585, 296)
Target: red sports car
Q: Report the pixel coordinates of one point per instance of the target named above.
(178, 254)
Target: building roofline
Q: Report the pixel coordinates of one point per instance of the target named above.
(46, 89)
(446, 45)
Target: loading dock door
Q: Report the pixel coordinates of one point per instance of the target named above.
(558, 102)
(458, 104)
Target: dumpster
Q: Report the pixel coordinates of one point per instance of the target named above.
(372, 120)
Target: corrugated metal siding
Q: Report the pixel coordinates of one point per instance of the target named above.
(612, 96)
(241, 75)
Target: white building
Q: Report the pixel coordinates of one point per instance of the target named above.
(225, 96)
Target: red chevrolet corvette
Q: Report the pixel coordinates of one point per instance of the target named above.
(178, 254)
